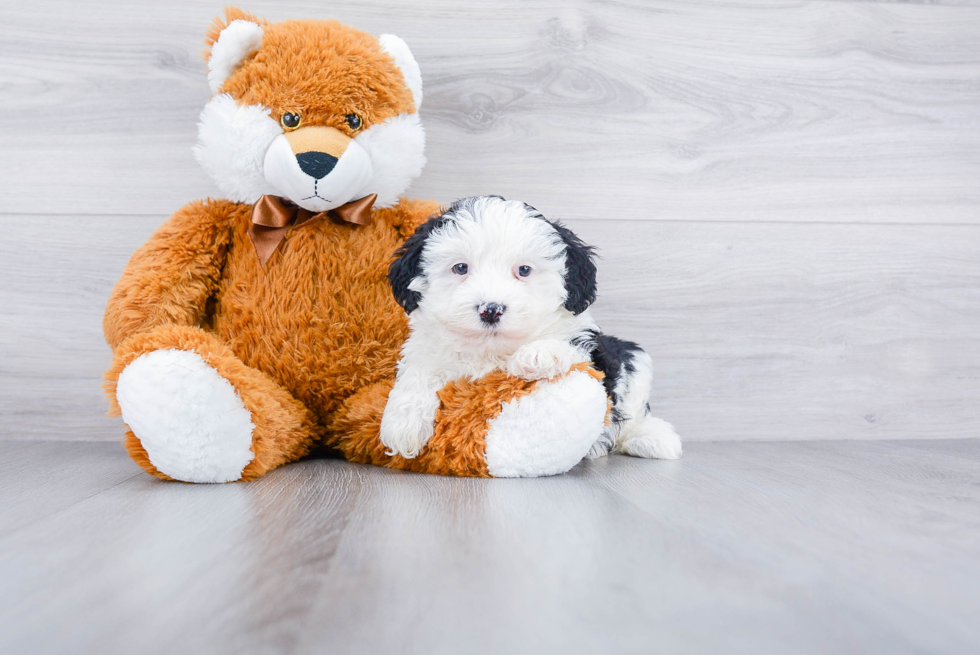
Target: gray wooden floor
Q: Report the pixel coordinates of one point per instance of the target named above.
(802, 547)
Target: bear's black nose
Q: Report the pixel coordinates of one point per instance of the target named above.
(490, 312)
(316, 164)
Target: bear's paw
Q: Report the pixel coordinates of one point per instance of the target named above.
(190, 420)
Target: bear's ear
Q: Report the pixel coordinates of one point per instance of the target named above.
(407, 266)
(580, 271)
(406, 63)
(229, 42)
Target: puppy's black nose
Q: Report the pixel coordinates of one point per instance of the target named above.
(316, 164)
(490, 312)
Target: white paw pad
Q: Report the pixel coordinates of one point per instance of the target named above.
(190, 420)
(653, 438)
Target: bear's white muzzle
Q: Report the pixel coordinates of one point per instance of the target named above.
(321, 176)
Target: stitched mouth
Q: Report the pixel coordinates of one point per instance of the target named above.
(316, 193)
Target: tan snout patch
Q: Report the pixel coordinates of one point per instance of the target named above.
(318, 139)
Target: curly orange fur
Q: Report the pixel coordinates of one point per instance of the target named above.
(294, 73)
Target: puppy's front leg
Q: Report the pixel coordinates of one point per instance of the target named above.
(408, 420)
(544, 359)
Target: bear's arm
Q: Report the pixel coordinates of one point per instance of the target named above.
(169, 280)
(408, 214)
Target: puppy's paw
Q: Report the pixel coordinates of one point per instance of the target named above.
(542, 360)
(406, 427)
(653, 438)
(601, 447)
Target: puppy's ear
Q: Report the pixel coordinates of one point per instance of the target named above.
(408, 265)
(580, 271)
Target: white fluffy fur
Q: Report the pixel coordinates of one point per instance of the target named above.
(543, 359)
(232, 142)
(189, 419)
(396, 149)
(405, 61)
(236, 42)
(521, 444)
(533, 339)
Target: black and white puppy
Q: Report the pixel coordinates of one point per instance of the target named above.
(491, 285)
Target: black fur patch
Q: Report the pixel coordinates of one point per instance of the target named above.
(612, 356)
(580, 274)
(408, 259)
(408, 264)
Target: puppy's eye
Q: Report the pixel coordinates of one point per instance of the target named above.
(461, 269)
(290, 121)
(353, 121)
(523, 271)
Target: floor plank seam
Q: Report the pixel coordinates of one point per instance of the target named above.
(4, 536)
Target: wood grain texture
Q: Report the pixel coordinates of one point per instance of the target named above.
(31, 495)
(758, 331)
(681, 110)
(830, 547)
(56, 275)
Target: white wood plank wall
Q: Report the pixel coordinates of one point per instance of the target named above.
(786, 194)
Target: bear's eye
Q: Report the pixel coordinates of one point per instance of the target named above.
(523, 271)
(353, 121)
(290, 121)
(461, 269)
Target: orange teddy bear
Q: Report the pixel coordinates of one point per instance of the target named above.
(250, 331)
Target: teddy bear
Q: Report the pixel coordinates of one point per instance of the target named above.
(254, 330)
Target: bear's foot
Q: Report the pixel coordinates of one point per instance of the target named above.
(549, 430)
(190, 421)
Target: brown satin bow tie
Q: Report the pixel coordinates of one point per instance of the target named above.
(272, 217)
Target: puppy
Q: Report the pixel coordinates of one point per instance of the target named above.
(492, 284)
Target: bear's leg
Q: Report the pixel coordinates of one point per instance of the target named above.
(196, 413)
(497, 426)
